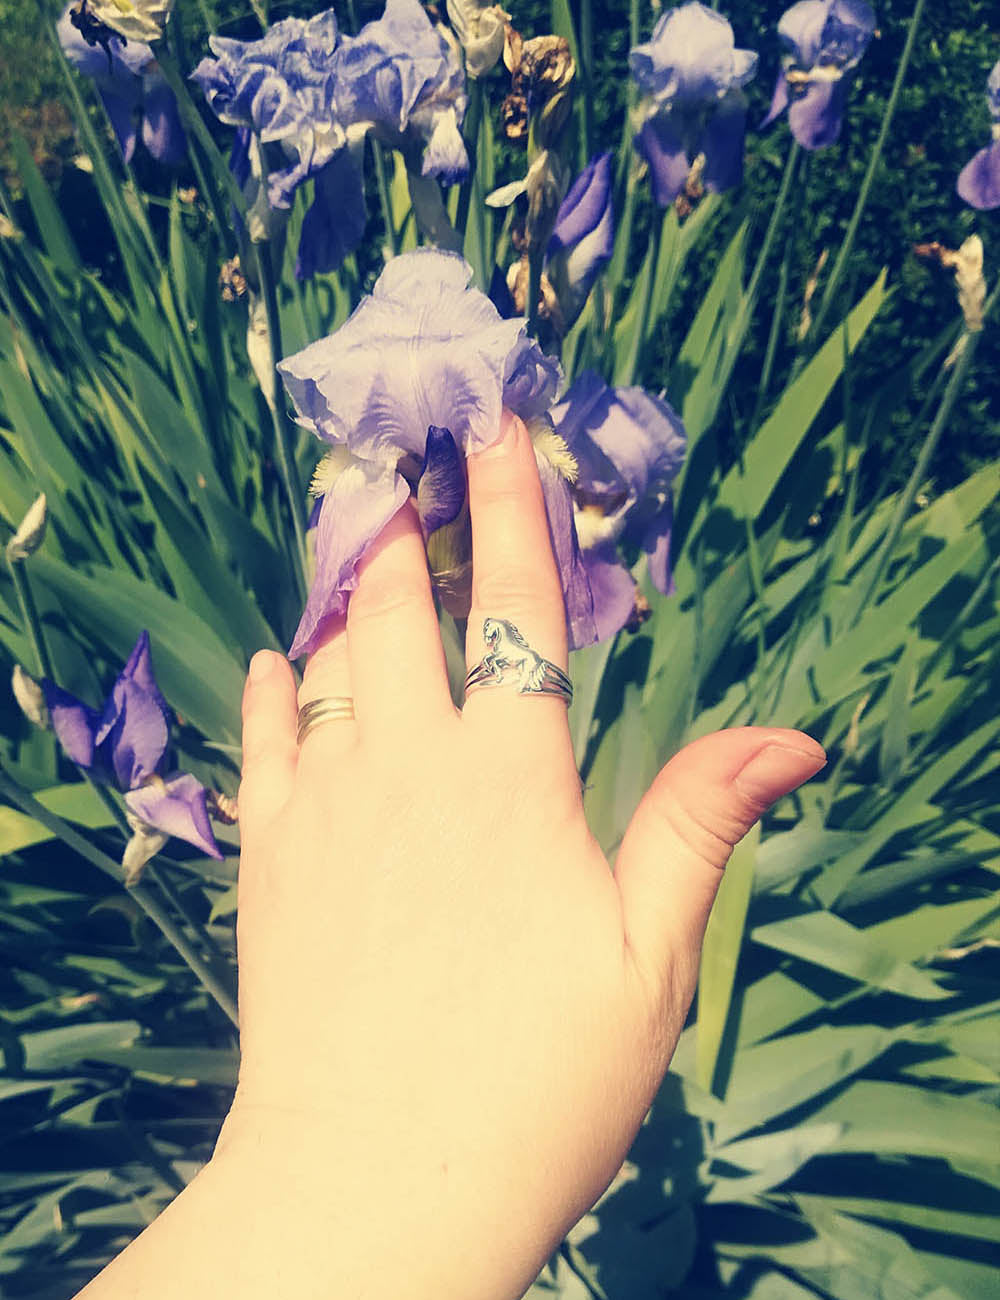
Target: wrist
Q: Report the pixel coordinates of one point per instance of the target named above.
(375, 1217)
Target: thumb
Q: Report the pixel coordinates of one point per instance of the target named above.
(673, 854)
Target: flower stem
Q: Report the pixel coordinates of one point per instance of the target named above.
(646, 277)
(279, 420)
(535, 259)
(29, 614)
(384, 197)
(149, 903)
(866, 184)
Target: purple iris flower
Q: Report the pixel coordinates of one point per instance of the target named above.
(281, 88)
(131, 87)
(979, 179)
(628, 446)
(125, 743)
(692, 73)
(825, 40)
(583, 238)
(401, 76)
(403, 392)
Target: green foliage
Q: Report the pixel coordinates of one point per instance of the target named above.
(828, 1124)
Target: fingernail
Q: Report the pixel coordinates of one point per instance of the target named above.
(506, 441)
(261, 665)
(777, 769)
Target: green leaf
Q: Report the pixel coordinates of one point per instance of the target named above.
(57, 1049)
(51, 226)
(77, 802)
(181, 1065)
(828, 941)
(896, 732)
(719, 958)
(775, 1076)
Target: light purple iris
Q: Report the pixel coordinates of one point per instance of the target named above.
(131, 87)
(583, 238)
(400, 76)
(629, 446)
(403, 392)
(125, 743)
(281, 88)
(979, 180)
(692, 73)
(825, 40)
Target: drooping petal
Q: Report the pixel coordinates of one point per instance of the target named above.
(656, 544)
(445, 156)
(334, 225)
(121, 111)
(74, 723)
(441, 487)
(175, 805)
(779, 100)
(613, 589)
(722, 144)
(580, 622)
(356, 508)
(661, 144)
(979, 180)
(815, 118)
(162, 132)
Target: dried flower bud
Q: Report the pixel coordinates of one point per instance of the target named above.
(259, 349)
(967, 263)
(514, 116)
(232, 281)
(545, 185)
(547, 64)
(145, 843)
(7, 228)
(223, 807)
(30, 533)
(481, 30)
(30, 698)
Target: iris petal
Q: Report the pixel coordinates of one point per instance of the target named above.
(334, 225)
(357, 507)
(979, 179)
(441, 486)
(74, 723)
(580, 621)
(176, 806)
(613, 589)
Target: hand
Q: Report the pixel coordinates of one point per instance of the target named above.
(447, 999)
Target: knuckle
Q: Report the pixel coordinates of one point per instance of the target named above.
(378, 599)
(707, 832)
(523, 587)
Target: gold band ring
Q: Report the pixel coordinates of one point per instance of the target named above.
(328, 708)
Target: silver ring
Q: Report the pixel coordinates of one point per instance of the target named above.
(510, 661)
(326, 709)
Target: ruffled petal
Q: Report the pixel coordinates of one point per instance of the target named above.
(334, 225)
(355, 510)
(979, 180)
(176, 806)
(801, 28)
